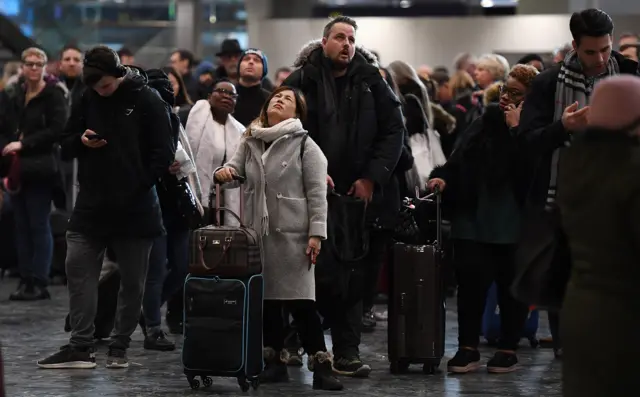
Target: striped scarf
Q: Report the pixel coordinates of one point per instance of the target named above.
(572, 86)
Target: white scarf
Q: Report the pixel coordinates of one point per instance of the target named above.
(269, 135)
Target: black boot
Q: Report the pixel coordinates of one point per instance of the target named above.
(275, 368)
(323, 378)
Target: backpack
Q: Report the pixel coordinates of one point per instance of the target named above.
(159, 81)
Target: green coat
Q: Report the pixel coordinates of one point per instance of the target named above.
(599, 198)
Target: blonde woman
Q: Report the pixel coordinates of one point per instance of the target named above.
(32, 118)
(490, 69)
(415, 97)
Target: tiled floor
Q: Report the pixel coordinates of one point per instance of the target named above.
(29, 331)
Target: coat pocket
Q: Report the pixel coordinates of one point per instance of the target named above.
(292, 214)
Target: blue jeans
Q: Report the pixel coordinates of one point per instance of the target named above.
(32, 210)
(168, 267)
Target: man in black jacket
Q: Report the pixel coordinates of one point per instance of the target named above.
(558, 105)
(122, 137)
(356, 119)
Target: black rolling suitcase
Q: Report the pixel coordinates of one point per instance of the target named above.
(223, 330)
(223, 312)
(417, 314)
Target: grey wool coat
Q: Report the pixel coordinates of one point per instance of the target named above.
(296, 198)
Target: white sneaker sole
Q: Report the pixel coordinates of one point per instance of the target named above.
(471, 367)
(117, 365)
(69, 365)
(501, 370)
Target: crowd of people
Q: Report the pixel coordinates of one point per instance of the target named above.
(107, 142)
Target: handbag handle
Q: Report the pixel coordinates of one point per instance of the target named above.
(218, 208)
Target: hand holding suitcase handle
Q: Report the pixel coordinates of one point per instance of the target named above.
(222, 176)
(437, 194)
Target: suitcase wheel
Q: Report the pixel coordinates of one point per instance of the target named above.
(193, 382)
(430, 369)
(399, 367)
(244, 384)
(255, 383)
(534, 342)
(206, 381)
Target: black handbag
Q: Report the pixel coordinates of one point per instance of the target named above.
(542, 260)
(340, 263)
(178, 193)
(406, 229)
(38, 167)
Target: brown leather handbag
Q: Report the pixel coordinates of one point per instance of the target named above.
(225, 251)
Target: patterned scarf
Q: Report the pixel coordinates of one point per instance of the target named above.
(572, 86)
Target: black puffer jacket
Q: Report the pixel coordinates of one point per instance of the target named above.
(117, 198)
(40, 122)
(375, 126)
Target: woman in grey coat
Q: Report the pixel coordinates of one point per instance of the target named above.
(286, 202)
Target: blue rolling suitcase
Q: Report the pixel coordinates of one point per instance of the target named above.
(223, 330)
(491, 321)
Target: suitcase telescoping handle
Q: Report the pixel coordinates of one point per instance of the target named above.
(218, 209)
(437, 195)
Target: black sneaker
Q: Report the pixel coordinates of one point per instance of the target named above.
(502, 363)
(351, 366)
(369, 321)
(117, 358)
(70, 357)
(464, 361)
(158, 341)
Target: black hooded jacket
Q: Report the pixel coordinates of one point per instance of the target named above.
(117, 198)
(373, 121)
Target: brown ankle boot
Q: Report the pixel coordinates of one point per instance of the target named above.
(322, 368)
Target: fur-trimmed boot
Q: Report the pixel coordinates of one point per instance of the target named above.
(275, 366)
(322, 367)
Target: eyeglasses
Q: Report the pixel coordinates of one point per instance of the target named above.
(226, 93)
(34, 65)
(510, 92)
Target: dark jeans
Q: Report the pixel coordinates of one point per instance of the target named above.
(32, 209)
(170, 252)
(307, 322)
(554, 327)
(380, 241)
(478, 265)
(84, 263)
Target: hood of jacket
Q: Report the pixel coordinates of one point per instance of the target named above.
(134, 80)
(362, 54)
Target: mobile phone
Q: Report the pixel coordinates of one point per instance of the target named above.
(94, 137)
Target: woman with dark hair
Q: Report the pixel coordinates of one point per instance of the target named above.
(286, 202)
(480, 181)
(182, 101)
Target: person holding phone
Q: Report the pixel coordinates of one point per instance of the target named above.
(286, 202)
(479, 181)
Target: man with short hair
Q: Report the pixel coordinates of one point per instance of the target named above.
(355, 118)
(126, 56)
(252, 69)
(629, 45)
(183, 62)
(558, 106)
(121, 135)
(281, 75)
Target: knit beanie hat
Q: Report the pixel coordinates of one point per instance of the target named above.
(260, 54)
(615, 102)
